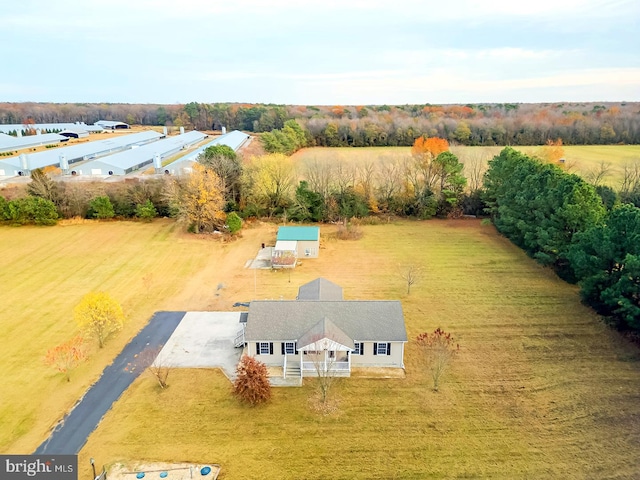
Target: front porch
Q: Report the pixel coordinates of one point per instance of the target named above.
(315, 364)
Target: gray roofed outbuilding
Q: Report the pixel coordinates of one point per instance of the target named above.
(320, 289)
(361, 320)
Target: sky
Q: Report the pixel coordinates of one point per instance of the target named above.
(320, 52)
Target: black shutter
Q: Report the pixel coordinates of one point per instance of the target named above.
(361, 348)
(295, 347)
(375, 348)
(257, 348)
(270, 348)
(388, 348)
(282, 348)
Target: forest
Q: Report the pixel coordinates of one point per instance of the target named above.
(370, 125)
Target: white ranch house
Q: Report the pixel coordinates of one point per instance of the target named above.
(322, 331)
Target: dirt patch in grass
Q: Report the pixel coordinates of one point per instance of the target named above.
(151, 470)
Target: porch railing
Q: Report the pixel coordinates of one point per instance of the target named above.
(331, 366)
(239, 340)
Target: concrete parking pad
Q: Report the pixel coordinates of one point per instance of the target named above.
(204, 340)
(262, 260)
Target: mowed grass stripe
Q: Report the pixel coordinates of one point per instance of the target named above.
(541, 387)
(49, 271)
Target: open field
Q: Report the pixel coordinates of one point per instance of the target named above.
(44, 274)
(541, 389)
(584, 159)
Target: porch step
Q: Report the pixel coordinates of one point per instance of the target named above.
(239, 340)
(293, 370)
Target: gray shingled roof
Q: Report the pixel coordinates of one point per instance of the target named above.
(325, 328)
(320, 289)
(361, 320)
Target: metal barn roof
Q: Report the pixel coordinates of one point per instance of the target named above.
(79, 152)
(112, 124)
(299, 233)
(51, 126)
(134, 159)
(9, 143)
(234, 140)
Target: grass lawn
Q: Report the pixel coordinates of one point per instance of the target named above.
(585, 159)
(45, 272)
(541, 388)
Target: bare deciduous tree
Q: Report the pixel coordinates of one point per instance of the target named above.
(158, 367)
(411, 274)
(439, 348)
(596, 175)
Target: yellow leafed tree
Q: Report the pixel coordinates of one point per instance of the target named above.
(199, 199)
(99, 315)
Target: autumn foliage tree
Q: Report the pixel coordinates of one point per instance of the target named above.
(66, 356)
(252, 384)
(99, 315)
(198, 199)
(439, 349)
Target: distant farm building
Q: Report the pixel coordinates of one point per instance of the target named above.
(9, 143)
(20, 129)
(112, 125)
(293, 243)
(136, 158)
(64, 156)
(74, 133)
(233, 140)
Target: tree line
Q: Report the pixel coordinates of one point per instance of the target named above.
(370, 125)
(561, 221)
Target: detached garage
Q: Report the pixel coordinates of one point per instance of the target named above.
(307, 240)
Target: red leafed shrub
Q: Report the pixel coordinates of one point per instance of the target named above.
(252, 382)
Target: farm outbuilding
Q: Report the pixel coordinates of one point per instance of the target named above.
(64, 156)
(307, 240)
(9, 143)
(112, 125)
(136, 158)
(49, 127)
(74, 133)
(233, 140)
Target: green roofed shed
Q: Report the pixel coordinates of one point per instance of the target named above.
(307, 240)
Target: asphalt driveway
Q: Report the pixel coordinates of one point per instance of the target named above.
(72, 432)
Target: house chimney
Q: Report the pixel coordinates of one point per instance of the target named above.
(19, 132)
(224, 130)
(164, 130)
(181, 130)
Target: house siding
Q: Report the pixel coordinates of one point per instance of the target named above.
(312, 246)
(274, 360)
(366, 360)
(371, 360)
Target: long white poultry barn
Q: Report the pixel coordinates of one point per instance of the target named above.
(131, 160)
(20, 128)
(234, 140)
(64, 156)
(9, 143)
